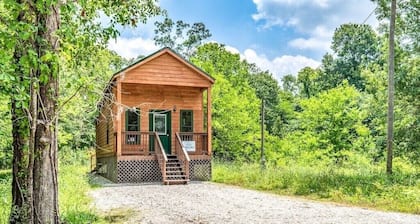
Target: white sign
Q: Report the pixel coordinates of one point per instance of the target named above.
(189, 146)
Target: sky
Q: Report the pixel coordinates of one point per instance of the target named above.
(282, 36)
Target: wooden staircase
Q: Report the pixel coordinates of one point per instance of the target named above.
(175, 173)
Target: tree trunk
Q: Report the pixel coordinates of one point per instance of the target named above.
(45, 186)
(34, 185)
(18, 212)
(19, 208)
(391, 87)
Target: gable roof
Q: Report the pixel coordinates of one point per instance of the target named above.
(159, 53)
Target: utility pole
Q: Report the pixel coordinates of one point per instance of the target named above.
(391, 91)
(262, 136)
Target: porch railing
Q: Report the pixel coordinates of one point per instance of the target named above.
(160, 155)
(200, 140)
(182, 155)
(135, 143)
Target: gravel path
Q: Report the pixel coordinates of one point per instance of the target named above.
(217, 203)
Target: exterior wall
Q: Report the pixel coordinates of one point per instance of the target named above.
(105, 121)
(108, 167)
(166, 70)
(151, 97)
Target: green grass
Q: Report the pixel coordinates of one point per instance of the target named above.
(368, 188)
(5, 195)
(75, 204)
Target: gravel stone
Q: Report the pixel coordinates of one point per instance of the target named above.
(204, 202)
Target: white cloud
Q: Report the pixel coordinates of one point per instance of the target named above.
(132, 47)
(316, 19)
(280, 66)
(232, 50)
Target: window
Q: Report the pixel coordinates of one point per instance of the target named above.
(186, 121)
(132, 120)
(132, 124)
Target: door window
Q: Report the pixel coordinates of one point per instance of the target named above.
(160, 124)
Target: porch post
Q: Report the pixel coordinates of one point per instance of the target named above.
(209, 135)
(119, 120)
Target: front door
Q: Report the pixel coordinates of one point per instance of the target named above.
(160, 122)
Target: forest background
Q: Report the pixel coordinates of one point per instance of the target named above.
(325, 128)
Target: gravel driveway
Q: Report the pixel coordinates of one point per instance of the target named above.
(216, 203)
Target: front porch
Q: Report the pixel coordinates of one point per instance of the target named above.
(143, 159)
(136, 143)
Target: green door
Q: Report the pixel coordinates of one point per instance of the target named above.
(160, 122)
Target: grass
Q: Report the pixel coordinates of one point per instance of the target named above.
(5, 195)
(368, 188)
(75, 204)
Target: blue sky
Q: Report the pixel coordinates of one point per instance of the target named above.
(281, 36)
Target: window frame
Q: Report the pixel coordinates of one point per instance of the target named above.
(181, 126)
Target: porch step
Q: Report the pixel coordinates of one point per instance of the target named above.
(174, 171)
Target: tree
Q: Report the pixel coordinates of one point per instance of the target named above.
(266, 88)
(407, 29)
(235, 106)
(180, 36)
(355, 46)
(306, 78)
(289, 84)
(35, 36)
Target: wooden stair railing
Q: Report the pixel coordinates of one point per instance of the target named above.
(182, 156)
(161, 156)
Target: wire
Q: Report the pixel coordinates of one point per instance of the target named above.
(370, 14)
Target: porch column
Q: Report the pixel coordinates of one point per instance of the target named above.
(119, 121)
(209, 136)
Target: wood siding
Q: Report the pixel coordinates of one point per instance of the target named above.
(157, 97)
(105, 121)
(165, 70)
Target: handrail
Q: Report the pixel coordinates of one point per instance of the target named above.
(183, 156)
(184, 152)
(161, 155)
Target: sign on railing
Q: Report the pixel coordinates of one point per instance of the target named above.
(189, 146)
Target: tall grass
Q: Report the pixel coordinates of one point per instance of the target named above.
(5, 195)
(367, 187)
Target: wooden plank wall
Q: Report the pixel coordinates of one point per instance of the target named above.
(157, 97)
(166, 70)
(105, 119)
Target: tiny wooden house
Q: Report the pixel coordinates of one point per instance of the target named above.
(154, 122)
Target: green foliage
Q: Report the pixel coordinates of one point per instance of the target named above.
(235, 106)
(5, 194)
(366, 185)
(81, 91)
(335, 120)
(407, 23)
(307, 79)
(5, 135)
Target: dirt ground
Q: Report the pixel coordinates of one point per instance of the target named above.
(204, 202)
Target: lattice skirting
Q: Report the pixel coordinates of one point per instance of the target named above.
(200, 170)
(134, 171)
